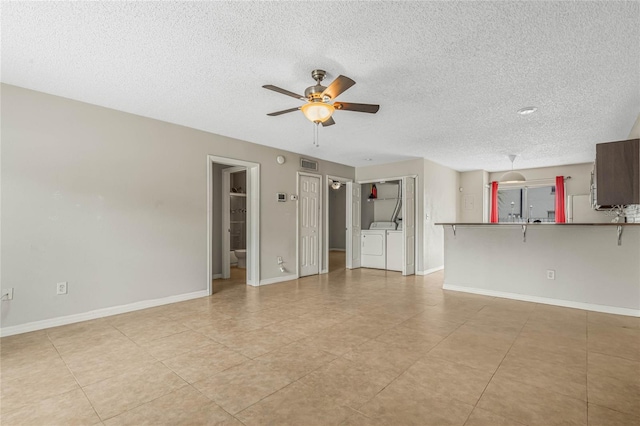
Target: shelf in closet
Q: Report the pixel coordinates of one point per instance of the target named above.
(382, 199)
(237, 194)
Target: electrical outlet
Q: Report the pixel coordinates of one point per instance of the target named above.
(7, 294)
(61, 288)
(551, 274)
(279, 258)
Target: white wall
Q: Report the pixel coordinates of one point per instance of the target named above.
(116, 204)
(590, 268)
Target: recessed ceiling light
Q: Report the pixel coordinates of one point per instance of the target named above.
(527, 110)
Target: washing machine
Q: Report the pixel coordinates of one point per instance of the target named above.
(374, 245)
(394, 249)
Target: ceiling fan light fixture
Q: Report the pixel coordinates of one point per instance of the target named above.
(317, 112)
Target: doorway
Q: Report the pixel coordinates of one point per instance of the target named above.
(336, 229)
(234, 223)
(217, 252)
(403, 239)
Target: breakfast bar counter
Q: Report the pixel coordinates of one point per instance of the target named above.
(580, 265)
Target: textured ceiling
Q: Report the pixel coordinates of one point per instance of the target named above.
(449, 76)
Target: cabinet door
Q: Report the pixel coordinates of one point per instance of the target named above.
(618, 173)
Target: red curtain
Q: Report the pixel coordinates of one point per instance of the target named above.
(560, 210)
(494, 202)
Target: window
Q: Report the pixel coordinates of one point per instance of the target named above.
(527, 204)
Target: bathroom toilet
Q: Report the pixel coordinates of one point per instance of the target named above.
(242, 258)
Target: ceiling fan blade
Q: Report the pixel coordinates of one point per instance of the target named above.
(348, 106)
(338, 86)
(273, 114)
(329, 122)
(284, 92)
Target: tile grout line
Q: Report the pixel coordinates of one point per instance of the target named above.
(498, 367)
(74, 378)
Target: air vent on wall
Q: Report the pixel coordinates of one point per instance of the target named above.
(309, 164)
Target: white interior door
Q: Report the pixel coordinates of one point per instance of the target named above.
(409, 225)
(354, 227)
(309, 220)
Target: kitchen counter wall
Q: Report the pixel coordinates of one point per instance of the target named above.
(591, 270)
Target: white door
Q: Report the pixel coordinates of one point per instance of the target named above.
(409, 225)
(309, 220)
(354, 227)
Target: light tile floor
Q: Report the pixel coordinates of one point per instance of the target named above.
(361, 347)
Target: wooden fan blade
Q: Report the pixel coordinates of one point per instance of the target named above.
(338, 86)
(273, 114)
(329, 122)
(284, 92)
(347, 106)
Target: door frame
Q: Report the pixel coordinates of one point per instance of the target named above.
(253, 217)
(226, 219)
(320, 221)
(418, 199)
(325, 261)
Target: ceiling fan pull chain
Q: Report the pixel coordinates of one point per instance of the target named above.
(315, 134)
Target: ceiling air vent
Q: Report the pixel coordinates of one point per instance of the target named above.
(309, 164)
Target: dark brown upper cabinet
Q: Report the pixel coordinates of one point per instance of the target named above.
(618, 173)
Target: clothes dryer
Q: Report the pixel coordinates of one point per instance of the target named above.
(374, 245)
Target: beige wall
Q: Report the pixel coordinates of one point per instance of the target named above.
(591, 270)
(578, 184)
(635, 130)
(472, 197)
(441, 198)
(116, 204)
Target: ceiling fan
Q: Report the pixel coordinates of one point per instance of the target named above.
(320, 100)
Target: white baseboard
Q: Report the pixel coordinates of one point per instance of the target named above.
(430, 271)
(546, 301)
(98, 313)
(216, 276)
(278, 279)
